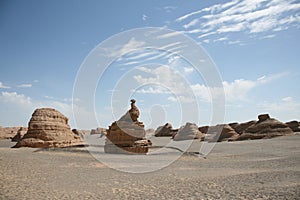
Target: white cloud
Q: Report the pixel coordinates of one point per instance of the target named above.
(168, 35)
(188, 70)
(144, 17)
(14, 97)
(235, 91)
(24, 106)
(2, 86)
(169, 9)
(191, 23)
(221, 39)
(119, 50)
(268, 36)
(151, 90)
(248, 16)
(167, 78)
(287, 106)
(25, 85)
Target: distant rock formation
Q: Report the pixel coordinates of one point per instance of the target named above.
(188, 132)
(20, 133)
(48, 128)
(240, 128)
(221, 132)
(265, 127)
(127, 135)
(165, 131)
(81, 133)
(8, 132)
(294, 125)
(101, 131)
(203, 129)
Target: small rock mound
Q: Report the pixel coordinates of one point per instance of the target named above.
(221, 132)
(165, 131)
(266, 127)
(48, 128)
(294, 125)
(188, 132)
(240, 128)
(21, 132)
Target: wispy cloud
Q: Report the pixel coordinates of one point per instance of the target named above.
(144, 17)
(169, 9)
(248, 16)
(119, 50)
(25, 85)
(3, 86)
(285, 104)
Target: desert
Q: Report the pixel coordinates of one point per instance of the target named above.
(252, 169)
(47, 167)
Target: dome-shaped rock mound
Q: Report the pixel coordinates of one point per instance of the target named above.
(48, 128)
(266, 127)
(165, 131)
(188, 132)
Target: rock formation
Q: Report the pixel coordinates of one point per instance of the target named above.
(188, 132)
(101, 131)
(48, 128)
(240, 128)
(20, 133)
(8, 132)
(265, 127)
(203, 129)
(294, 125)
(165, 131)
(127, 135)
(221, 132)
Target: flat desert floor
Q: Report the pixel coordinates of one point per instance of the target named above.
(257, 169)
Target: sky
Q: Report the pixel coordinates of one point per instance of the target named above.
(249, 48)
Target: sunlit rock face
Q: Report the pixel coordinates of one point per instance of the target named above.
(127, 135)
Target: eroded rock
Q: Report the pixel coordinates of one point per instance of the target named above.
(48, 128)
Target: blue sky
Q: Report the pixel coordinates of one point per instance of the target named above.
(253, 43)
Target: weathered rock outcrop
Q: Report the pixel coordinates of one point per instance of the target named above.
(81, 133)
(221, 132)
(266, 127)
(165, 131)
(203, 129)
(20, 133)
(294, 125)
(48, 128)
(240, 128)
(188, 132)
(127, 135)
(101, 131)
(8, 132)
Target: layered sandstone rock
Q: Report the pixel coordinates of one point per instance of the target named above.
(294, 125)
(48, 128)
(20, 133)
(101, 131)
(127, 135)
(8, 132)
(221, 132)
(165, 131)
(266, 127)
(188, 132)
(240, 128)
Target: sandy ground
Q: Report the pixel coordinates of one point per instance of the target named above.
(261, 169)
